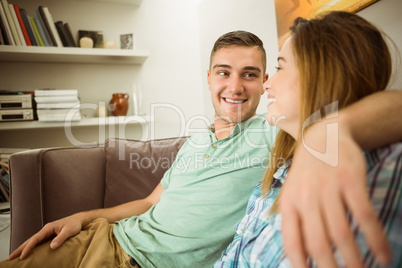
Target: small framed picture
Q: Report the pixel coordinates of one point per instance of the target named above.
(127, 41)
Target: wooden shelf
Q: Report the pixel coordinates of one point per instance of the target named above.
(85, 122)
(72, 55)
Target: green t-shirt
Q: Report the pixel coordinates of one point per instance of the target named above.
(206, 193)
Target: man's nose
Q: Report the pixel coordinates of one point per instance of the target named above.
(235, 85)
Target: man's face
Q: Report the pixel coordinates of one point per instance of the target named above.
(235, 79)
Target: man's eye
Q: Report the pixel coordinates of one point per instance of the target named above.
(278, 68)
(250, 75)
(222, 73)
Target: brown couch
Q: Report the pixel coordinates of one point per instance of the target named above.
(48, 184)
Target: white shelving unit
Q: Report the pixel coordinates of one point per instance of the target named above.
(76, 55)
(72, 55)
(94, 121)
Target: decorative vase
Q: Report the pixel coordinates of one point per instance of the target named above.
(118, 105)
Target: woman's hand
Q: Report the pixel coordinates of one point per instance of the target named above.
(327, 178)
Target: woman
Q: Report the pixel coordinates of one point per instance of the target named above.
(326, 64)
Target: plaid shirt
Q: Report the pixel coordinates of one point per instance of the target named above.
(258, 239)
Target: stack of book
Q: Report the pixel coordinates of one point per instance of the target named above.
(5, 154)
(57, 105)
(4, 182)
(19, 29)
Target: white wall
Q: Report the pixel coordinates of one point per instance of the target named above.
(179, 35)
(170, 76)
(386, 15)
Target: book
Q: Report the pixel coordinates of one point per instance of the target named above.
(76, 117)
(59, 115)
(50, 26)
(5, 153)
(22, 25)
(11, 24)
(36, 31)
(62, 32)
(5, 28)
(57, 112)
(10, 151)
(65, 34)
(42, 30)
(17, 25)
(55, 92)
(1, 37)
(28, 26)
(69, 35)
(58, 105)
(47, 99)
(4, 157)
(4, 185)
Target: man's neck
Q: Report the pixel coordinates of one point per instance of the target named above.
(223, 128)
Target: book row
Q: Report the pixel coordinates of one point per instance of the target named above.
(18, 28)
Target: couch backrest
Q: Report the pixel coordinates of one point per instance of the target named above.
(134, 168)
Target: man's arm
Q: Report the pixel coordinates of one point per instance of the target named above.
(72, 225)
(328, 177)
(375, 120)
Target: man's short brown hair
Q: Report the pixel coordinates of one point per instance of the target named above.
(240, 39)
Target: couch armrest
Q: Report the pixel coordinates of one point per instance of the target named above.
(48, 184)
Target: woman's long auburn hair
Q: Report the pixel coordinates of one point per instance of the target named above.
(341, 58)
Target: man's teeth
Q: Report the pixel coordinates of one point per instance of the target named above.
(234, 101)
(271, 100)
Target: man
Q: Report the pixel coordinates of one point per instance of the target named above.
(189, 217)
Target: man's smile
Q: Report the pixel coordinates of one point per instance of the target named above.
(235, 101)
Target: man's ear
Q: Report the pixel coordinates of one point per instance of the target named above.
(266, 76)
(208, 79)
